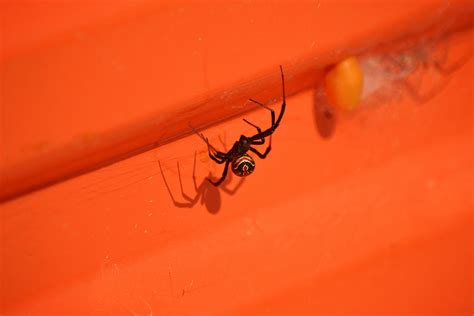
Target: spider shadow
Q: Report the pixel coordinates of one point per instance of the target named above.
(205, 193)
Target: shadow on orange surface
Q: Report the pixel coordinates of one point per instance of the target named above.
(206, 193)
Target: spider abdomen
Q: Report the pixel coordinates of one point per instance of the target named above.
(243, 165)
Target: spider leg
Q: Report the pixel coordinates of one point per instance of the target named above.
(264, 155)
(259, 141)
(218, 160)
(224, 174)
(217, 156)
(204, 138)
(275, 124)
(266, 107)
(250, 123)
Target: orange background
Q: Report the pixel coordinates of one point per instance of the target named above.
(376, 218)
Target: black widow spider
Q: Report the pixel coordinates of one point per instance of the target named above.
(242, 164)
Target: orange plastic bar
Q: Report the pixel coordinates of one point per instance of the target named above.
(87, 84)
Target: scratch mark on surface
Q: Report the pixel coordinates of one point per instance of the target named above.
(131, 311)
(187, 288)
(116, 269)
(171, 280)
(147, 304)
(103, 266)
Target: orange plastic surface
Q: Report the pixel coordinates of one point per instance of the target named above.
(372, 218)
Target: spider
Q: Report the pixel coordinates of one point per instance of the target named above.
(241, 163)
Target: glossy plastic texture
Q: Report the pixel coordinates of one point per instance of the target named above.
(87, 84)
(372, 218)
(344, 83)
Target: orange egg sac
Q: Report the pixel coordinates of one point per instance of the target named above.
(344, 83)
